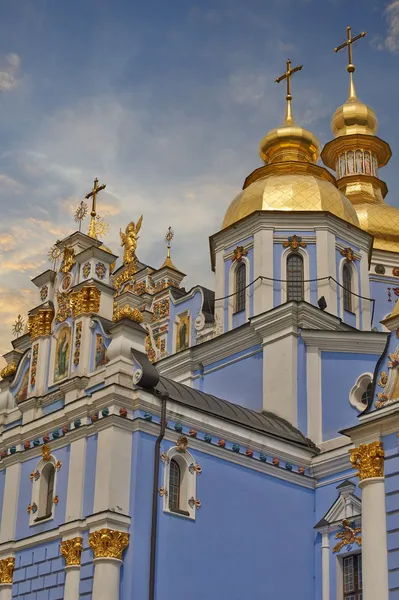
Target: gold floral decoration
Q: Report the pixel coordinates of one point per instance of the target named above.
(40, 323)
(294, 242)
(238, 253)
(35, 356)
(71, 550)
(182, 443)
(9, 370)
(348, 253)
(162, 491)
(7, 569)
(348, 536)
(64, 309)
(85, 301)
(160, 309)
(369, 460)
(383, 379)
(127, 312)
(68, 259)
(78, 338)
(382, 399)
(108, 543)
(46, 452)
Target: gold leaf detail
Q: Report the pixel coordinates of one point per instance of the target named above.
(71, 550)
(108, 543)
(369, 460)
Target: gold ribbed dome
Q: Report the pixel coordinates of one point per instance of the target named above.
(382, 221)
(354, 117)
(289, 142)
(290, 192)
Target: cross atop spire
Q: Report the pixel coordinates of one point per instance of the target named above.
(93, 194)
(289, 119)
(351, 67)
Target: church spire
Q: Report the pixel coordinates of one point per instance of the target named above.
(351, 67)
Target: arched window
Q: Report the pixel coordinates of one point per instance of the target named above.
(174, 486)
(241, 276)
(294, 277)
(347, 283)
(366, 396)
(46, 494)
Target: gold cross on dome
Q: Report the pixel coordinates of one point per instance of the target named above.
(93, 194)
(287, 75)
(351, 67)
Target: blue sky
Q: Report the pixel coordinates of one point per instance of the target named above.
(166, 102)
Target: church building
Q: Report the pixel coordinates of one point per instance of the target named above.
(159, 443)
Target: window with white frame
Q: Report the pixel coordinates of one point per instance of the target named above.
(180, 483)
(347, 287)
(241, 279)
(361, 393)
(294, 277)
(44, 497)
(352, 577)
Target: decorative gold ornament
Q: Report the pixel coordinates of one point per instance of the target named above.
(127, 312)
(182, 443)
(165, 458)
(348, 536)
(129, 241)
(64, 309)
(18, 326)
(53, 255)
(108, 543)
(294, 242)
(68, 259)
(93, 215)
(238, 253)
(80, 213)
(46, 452)
(287, 76)
(101, 227)
(162, 491)
(348, 253)
(7, 569)
(33, 369)
(351, 67)
(383, 379)
(369, 460)
(40, 323)
(85, 301)
(71, 550)
(126, 274)
(78, 339)
(9, 370)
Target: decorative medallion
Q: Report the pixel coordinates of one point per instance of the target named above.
(78, 338)
(194, 502)
(56, 500)
(80, 213)
(395, 271)
(46, 452)
(108, 543)
(6, 569)
(58, 465)
(100, 270)
(238, 253)
(66, 283)
(67, 259)
(162, 491)
(40, 323)
(71, 550)
(85, 301)
(35, 354)
(348, 253)
(9, 370)
(383, 379)
(43, 293)
(32, 508)
(86, 270)
(195, 468)
(127, 312)
(379, 269)
(348, 535)
(294, 242)
(182, 443)
(34, 476)
(369, 460)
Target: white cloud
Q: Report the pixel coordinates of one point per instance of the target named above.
(9, 73)
(391, 42)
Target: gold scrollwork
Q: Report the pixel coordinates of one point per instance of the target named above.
(40, 323)
(369, 460)
(7, 569)
(46, 452)
(71, 550)
(85, 301)
(9, 370)
(108, 543)
(127, 312)
(383, 380)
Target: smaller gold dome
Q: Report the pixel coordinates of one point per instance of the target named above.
(354, 117)
(290, 192)
(290, 142)
(381, 221)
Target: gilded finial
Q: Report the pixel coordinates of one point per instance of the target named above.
(18, 326)
(80, 213)
(289, 119)
(96, 227)
(350, 67)
(168, 239)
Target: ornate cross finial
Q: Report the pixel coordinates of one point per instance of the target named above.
(93, 231)
(80, 213)
(168, 239)
(287, 75)
(351, 67)
(18, 326)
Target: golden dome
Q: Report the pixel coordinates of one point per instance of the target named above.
(289, 142)
(381, 221)
(354, 117)
(290, 192)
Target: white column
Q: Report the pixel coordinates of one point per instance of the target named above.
(106, 578)
(263, 265)
(76, 477)
(5, 591)
(280, 377)
(9, 515)
(72, 579)
(374, 539)
(314, 406)
(326, 266)
(325, 564)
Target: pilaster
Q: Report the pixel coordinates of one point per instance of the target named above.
(108, 546)
(326, 266)
(71, 550)
(263, 266)
(11, 492)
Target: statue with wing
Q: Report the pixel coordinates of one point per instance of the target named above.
(129, 241)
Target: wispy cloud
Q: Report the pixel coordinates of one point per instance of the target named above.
(10, 72)
(391, 41)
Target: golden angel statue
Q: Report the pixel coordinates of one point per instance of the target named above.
(129, 241)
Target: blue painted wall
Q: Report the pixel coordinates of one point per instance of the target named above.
(392, 507)
(379, 291)
(339, 371)
(39, 573)
(240, 382)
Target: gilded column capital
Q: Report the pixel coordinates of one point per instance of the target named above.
(40, 323)
(6, 569)
(71, 550)
(369, 460)
(85, 301)
(108, 543)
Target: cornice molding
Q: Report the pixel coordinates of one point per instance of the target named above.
(359, 342)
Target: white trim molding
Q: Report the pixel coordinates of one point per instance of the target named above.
(355, 305)
(40, 491)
